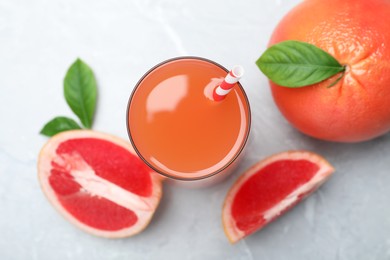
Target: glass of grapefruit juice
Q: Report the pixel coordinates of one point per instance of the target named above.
(177, 128)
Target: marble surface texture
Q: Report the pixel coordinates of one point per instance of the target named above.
(348, 218)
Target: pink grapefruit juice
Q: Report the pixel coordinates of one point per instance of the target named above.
(176, 127)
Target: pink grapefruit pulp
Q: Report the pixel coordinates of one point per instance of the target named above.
(269, 188)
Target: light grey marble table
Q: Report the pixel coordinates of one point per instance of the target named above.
(348, 218)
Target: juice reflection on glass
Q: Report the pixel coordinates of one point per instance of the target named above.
(176, 127)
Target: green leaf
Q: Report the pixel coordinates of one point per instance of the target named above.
(297, 64)
(80, 91)
(59, 124)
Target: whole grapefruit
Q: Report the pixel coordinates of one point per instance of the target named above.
(357, 34)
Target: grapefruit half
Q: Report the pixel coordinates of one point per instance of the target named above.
(97, 182)
(270, 188)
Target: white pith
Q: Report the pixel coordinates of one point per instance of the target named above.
(83, 174)
(232, 231)
(86, 177)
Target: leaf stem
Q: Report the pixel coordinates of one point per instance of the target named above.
(339, 78)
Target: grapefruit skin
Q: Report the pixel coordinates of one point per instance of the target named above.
(98, 183)
(357, 34)
(270, 188)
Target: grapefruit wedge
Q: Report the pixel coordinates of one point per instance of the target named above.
(269, 188)
(98, 183)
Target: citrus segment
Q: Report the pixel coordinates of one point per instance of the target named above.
(107, 158)
(269, 188)
(108, 215)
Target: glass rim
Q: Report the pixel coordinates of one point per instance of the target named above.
(165, 174)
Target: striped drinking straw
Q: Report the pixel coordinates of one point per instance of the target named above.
(228, 83)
